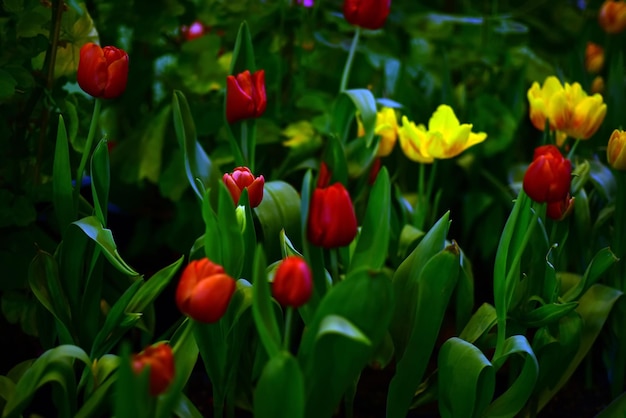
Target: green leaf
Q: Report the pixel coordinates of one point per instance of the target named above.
(332, 361)
(131, 397)
(201, 173)
(373, 243)
(151, 146)
(281, 379)
(262, 310)
(243, 52)
(62, 192)
(364, 101)
(44, 281)
(279, 209)
(230, 236)
(185, 358)
(603, 259)
(515, 397)
(117, 322)
(334, 324)
(153, 287)
(466, 380)
(594, 308)
(54, 366)
(547, 314)
(100, 180)
(617, 408)
(7, 388)
(430, 294)
(92, 227)
(405, 281)
(480, 323)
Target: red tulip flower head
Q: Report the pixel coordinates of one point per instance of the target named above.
(242, 178)
(102, 72)
(245, 96)
(332, 221)
(548, 177)
(293, 282)
(559, 210)
(204, 291)
(160, 359)
(368, 14)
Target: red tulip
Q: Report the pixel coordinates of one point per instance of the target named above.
(374, 170)
(102, 72)
(612, 16)
(242, 178)
(204, 291)
(369, 14)
(332, 222)
(548, 177)
(245, 96)
(160, 359)
(293, 282)
(559, 210)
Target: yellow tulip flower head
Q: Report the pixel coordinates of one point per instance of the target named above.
(568, 108)
(616, 150)
(386, 127)
(445, 137)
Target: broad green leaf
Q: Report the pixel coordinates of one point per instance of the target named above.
(432, 290)
(117, 322)
(594, 308)
(279, 209)
(547, 314)
(92, 227)
(405, 281)
(153, 287)
(262, 310)
(334, 324)
(7, 388)
(466, 380)
(54, 366)
(335, 158)
(598, 265)
(243, 52)
(185, 358)
(365, 104)
(515, 397)
(99, 401)
(480, 323)
(617, 408)
(100, 180)
(231, 235)
(201, 173)
(281, 379)
(151, 146)
(313, 255)
(44, 281)
(62, 191)
(212, 234)
(333, 361)
(373, 243)
(131, 396)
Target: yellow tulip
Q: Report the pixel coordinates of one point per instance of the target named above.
(386, 127)
(568, 108)
(413, 141)
(445, 137)
(616, 150)
(299, 134)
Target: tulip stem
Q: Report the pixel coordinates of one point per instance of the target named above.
(88, 145)
(348, 66)
(288, 319)
(570, 154)
(421, 203)
(334, 265)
